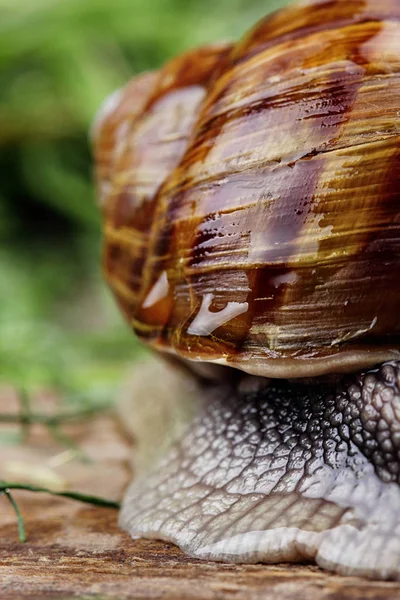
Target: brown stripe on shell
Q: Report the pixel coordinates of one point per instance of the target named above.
(247, 101)
(111, 127)
(155, 136)
(315, 16)
(358, 257)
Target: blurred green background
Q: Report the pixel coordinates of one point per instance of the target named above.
(58, 61)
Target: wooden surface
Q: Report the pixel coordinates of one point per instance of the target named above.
(76, 551)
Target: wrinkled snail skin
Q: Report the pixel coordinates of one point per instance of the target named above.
(251, 203)
(287, 473)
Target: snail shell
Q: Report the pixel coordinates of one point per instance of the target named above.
(251, 195)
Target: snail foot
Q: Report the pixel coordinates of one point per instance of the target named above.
(283, 473)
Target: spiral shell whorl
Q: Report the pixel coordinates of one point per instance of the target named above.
(252, 194)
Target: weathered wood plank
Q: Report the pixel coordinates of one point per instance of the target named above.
(84, 554)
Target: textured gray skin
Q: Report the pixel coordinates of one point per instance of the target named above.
(290, 472)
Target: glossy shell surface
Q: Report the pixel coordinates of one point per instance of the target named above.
(251, 194)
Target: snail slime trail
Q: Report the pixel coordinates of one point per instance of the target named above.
(251, 203)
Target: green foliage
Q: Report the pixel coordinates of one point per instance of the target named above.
(58, 324)
(6, 487)
(59, 59)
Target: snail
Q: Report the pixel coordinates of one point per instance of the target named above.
(251, 202)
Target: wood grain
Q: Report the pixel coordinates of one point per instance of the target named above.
(78, 552)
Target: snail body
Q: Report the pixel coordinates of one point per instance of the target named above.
(251, 202)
